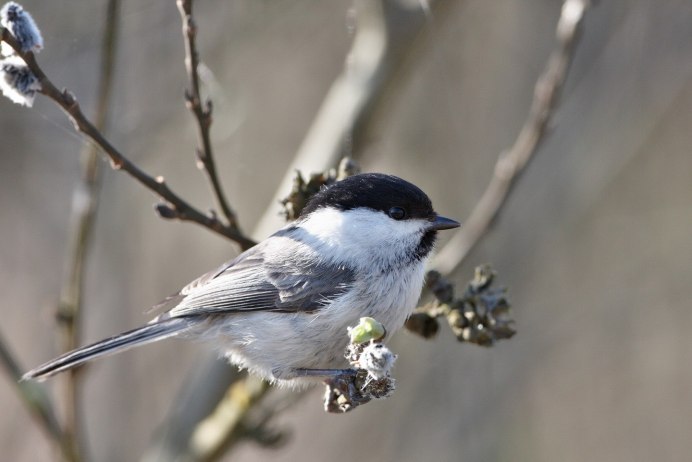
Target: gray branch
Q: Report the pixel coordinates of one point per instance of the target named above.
(511, 163)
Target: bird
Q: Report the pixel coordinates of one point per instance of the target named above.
(281, 308)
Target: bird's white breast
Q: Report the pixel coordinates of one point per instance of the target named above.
(386, 287)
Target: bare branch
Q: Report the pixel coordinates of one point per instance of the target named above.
(384, 45)
(174, 207)
(214, 434)
(202, 112)
(84, 206)
(511, 163)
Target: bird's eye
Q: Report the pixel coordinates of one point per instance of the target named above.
(397, 213)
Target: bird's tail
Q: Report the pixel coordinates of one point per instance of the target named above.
(143, 335)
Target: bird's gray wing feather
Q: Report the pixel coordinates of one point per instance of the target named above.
(170, 302)
(259, 280)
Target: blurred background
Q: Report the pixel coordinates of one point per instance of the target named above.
(595, 243)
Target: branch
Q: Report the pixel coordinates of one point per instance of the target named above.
(201, 113)
(224, 426)
(174, 207)
(383, 49)
(511, 163)
(35, 399)
(84, 206)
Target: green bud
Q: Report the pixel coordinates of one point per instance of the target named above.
(367, 329)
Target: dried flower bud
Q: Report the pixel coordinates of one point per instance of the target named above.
(439, 286)
(347, 167)
(302, 190)
(17, 82)
(481, 315)
(375, 388)
(482, 277)
(423, 324)
(22, 27)
(377, 359)
(369, 377)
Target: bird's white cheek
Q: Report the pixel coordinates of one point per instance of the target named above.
(362, 236)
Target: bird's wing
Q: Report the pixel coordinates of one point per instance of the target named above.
(258, 280)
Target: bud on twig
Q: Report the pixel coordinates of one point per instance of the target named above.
(22, 27)
(370, 378)
(165, 211)
(17, 82)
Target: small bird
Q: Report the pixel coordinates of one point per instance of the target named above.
(281, 308)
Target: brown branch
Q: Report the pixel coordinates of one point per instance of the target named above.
(84, 206)
(174, 207)
(36, 400)
(511, 163)
(202, 112)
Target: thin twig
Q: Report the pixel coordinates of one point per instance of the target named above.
(175, 206)
(36, 400)
(202, 112)
(84, 206)
(511, 163)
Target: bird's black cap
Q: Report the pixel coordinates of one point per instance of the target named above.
(375, 191)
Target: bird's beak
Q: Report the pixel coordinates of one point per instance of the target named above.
(440, 223)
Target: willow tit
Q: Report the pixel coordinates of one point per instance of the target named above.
(281, 308)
